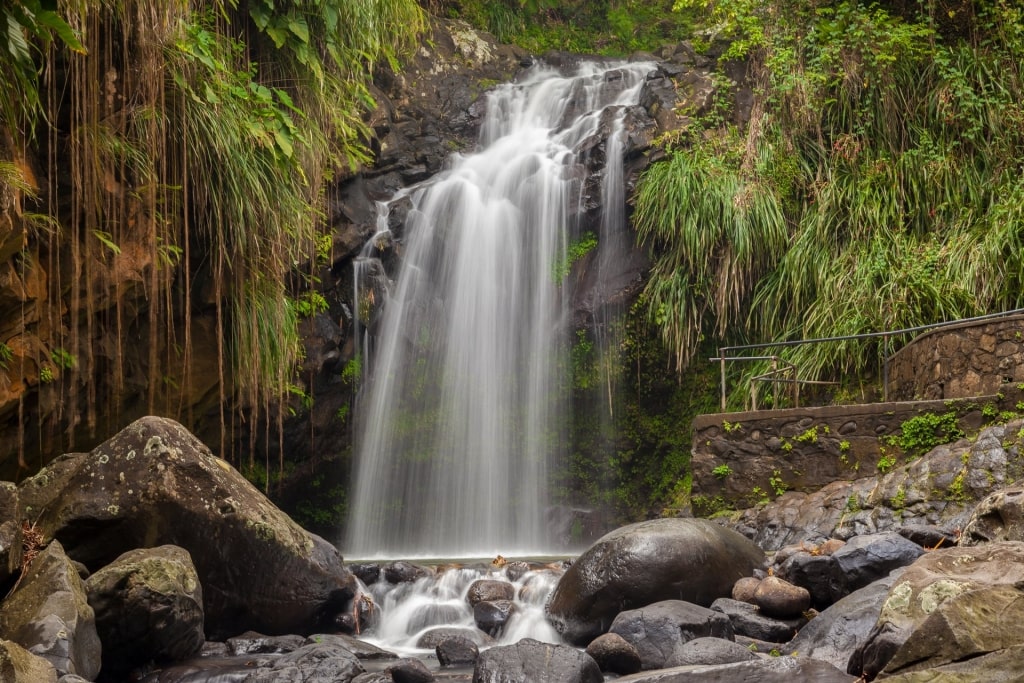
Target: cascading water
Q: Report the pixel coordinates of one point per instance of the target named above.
(464, 407)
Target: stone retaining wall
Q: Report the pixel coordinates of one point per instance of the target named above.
(968, 359)
(742, 459)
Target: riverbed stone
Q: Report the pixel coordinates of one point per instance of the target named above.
(866, 559)
(492, 615)
(530, 661)
(49, 615)
(149, 607)
(432, 638)
(779, 599)
(410, 670)
(657, 630)
(760, 670)
(747, 620)
(489, 589)
(694, 560)
(743, 590)
(614, 654)
(404, 572)
(155, 484)
(709, 651)
(456, 650)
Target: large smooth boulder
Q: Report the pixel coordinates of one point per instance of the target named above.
(149, 607)
(938, 577)
(156, 484)
(839, 630)
(868, 558)
(49, 615)
(657, 630)
(18, 665)
(530, 661)
(663, 559)
(766, 670)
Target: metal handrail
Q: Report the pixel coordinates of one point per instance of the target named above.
(722, 358)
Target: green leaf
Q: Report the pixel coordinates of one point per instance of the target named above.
(278, 35)
(53, 22)
(283, 142)
(298, 26)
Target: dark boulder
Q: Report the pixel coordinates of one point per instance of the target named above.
(491, 616)
(49, 614)
(360, 648)
(657, 630)
(252, 643)
(404, 572)
(747, 620)
(614, 654)
(839, 630)
(709, 651)
(817, 574)
(866, 559)
(766, 670)
(366, 572)
(489, 590)
(432, 638)
(156, 484)
(456, 650)
(530, 661)
(149, 607)
(410, 670)
(690, 559)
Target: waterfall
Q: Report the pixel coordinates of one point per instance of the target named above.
(464, 406)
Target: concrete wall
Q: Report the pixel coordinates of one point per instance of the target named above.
(741, 459)
(969, 359)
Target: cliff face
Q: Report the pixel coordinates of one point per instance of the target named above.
(88, 347)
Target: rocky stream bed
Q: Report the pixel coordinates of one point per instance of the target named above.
(149, 559)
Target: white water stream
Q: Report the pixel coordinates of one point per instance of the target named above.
(463, 410)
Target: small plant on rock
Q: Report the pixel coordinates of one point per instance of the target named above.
(722, 471)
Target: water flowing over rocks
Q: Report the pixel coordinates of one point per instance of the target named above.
(683, 559)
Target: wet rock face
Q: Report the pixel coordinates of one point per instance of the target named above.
(153, 484)
(690, 559)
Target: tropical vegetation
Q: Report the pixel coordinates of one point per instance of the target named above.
(190, 145)
(877, 186)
